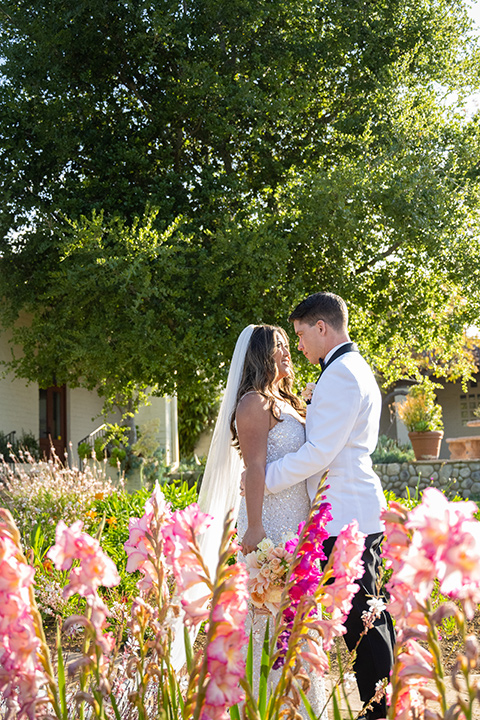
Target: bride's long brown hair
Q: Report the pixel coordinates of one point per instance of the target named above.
(259, 372)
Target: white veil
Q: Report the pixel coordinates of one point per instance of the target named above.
(220, 490)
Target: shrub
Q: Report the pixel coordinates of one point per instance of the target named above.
(27, 443)
(115, 511)
(43, 493)
(388, 450)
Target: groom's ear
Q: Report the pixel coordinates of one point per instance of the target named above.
(322, 326)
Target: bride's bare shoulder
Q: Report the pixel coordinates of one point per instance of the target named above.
(252, 401)
(252, 418)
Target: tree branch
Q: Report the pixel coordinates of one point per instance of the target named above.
(381, 256)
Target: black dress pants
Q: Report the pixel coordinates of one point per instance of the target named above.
(374, 658)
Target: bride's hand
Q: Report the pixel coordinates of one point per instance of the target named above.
(252, 537)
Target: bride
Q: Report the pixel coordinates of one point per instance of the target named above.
(260, 420)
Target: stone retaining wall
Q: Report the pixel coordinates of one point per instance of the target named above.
(453, 477)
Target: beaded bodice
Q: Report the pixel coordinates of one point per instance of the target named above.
(283, 511)
(285, 437)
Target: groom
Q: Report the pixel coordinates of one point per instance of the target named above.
(341, 432)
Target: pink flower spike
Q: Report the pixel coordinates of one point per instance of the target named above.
(227, 649)
(348, 551)
(70, 544)
(196, 611)
(190, 522)
(21, 674)
(416, 662)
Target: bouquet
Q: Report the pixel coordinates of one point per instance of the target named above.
(267, 569)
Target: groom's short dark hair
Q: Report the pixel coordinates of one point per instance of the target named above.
(324, 306)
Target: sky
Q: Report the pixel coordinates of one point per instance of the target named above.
(475, 12)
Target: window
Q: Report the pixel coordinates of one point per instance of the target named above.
(468, 403)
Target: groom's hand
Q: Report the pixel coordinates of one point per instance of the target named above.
(252, 537)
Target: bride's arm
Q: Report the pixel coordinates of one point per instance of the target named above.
(253, 423)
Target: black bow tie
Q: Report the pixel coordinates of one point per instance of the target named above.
(321, 362)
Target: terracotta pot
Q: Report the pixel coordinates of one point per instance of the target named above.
(426, 445)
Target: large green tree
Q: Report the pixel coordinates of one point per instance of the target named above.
(171, 172)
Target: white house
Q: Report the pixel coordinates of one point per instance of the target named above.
(65, 416)
(458, 406)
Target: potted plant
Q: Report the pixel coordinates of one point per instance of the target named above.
(423, 419)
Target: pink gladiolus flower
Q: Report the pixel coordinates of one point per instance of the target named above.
(437, 539)
(196, 611)
(70, 544)
(443, 542)
(138, 547)
(93, 572)
(225, 660)
(414, 669)
(141, 553)
(227, 649)
(416, 662)
(180, 540)
(14, 576)
(417, 572)
(306, 575)
(349, 547)
(347, 566)
(180, 548)
(21, 675)
(181, 531)
(223, 690)
(314, 655)
(410, 704)
(339, 594)
(233, 607)
(96, 570)
(191, 521)
(331, 628)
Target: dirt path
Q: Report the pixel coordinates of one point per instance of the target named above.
(356, 705)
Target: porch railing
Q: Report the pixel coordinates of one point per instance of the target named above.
(90, 439)
(10, 438)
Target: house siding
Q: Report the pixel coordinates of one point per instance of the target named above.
(19, 409)
(449, 398)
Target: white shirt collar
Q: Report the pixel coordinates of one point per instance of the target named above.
(329, 354)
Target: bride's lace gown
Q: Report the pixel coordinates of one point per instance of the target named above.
(282, 513)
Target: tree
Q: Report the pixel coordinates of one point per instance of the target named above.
(173, 172)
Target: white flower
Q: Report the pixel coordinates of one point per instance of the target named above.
(349, 680)
(376, 605)
(307, 391)
(380, 688)
(265, 545)
(288, 536)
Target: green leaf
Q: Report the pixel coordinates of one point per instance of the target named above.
(62, 687)
(249, 661)
(264, 671)
(188, 649)
(336, 706)
(306, 702)
(115, 707)
(234, 713)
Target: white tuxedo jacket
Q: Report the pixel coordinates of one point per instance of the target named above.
(341, 432)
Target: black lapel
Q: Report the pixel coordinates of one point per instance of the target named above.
(348, 347)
